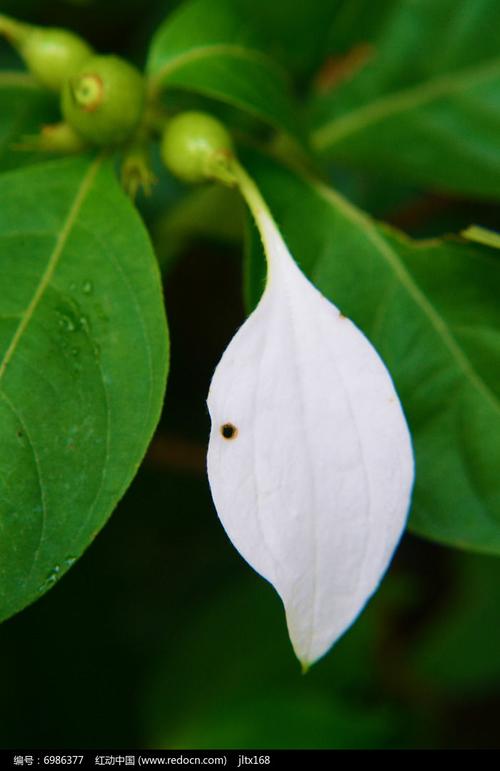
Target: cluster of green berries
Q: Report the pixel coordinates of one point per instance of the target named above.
(102, 97)
(103, 100)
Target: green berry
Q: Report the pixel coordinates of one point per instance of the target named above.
(195, 146)
(51, 54)
(104, 100)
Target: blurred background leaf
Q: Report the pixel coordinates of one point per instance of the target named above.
(421, 97)
(23, 109)
(459, 651)
(207, 46)
(245, 689)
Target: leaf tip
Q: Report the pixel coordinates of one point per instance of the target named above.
(305, 666)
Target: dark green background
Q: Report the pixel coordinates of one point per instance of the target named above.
(161, 636)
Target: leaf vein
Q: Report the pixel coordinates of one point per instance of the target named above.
(206, 52)
(53, 261)
(336, 130)
(39, 476)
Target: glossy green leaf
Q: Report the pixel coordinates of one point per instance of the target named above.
(83, 358)
(23, 108)
(210, 47)
(298, 35)
(431, 310)
(427, 102)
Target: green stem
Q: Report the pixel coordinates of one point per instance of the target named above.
(234, 175)
(14, 31)
(136, 172)
(482, 236)
(251, 193)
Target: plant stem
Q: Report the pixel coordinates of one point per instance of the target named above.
(14, 31)
(226, 168)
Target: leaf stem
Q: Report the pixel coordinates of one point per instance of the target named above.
(251, 193)
(482, 236)
(236, 175)
(14, 31)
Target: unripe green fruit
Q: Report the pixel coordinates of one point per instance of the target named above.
(104, 100)
(194, 144)
(51, 54)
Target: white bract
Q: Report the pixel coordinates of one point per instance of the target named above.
(310, 460)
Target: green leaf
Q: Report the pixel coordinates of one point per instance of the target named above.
(83, 357)
(431, 310)
(209, 47)
(427, 102)
(23, 108)
(285, 29)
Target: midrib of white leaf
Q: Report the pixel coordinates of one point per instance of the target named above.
(392, 258)
(336, 130)
(62, 238)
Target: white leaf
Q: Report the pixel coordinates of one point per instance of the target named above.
(313, 488)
